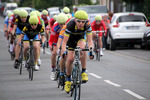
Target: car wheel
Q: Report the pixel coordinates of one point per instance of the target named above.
(112, 44)
(148, 46)
(143, 46)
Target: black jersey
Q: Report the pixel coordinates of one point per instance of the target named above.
(21, 24)
(33, 32)
(72, 30)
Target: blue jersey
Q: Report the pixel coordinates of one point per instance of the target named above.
(6, 21)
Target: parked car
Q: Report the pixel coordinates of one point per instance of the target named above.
(9, 7)
(127, 28)
(146, 40)
(28, 9)
(94, 10)
(52, 13)
(53, 9)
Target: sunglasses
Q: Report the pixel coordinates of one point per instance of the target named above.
(23, 17)
(33, 24)
(79, 21)
(61, 24)
(98, 21)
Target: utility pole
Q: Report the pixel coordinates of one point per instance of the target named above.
(76, 2)
(64, 3)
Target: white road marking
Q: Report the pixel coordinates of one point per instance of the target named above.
(114, 84)
(134, 94)
(96, 76)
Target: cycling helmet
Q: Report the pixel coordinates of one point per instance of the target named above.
(23, 13)
(55, 17)
(69, 16)
(33, 20)
(61, 18)
(98, 17)
(33, 13)
(66, 10)
(38, 13)
(9, 14)
(81, 14)
(16, 12)
(45, 12)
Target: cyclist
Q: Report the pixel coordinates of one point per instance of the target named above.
(61, 20)
(46, 19)
(97, 26)
(32, 31)
(75, 36)
(11, 25)
(20, 22)
(52, 21)
(6, 22)
(41, 22)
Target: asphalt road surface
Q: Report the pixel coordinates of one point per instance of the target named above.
(123, 74)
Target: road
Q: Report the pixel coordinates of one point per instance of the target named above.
(123, 74)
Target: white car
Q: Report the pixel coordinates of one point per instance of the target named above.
(9, 7)
(52, 13)
(127, 28)
(28, 9)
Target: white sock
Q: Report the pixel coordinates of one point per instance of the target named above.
(100, 49)
(11, 47)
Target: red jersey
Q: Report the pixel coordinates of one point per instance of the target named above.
(52, 21)
(54, 34)
(12, 20)
(46, 19)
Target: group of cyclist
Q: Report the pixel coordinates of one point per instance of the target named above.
(62, 30)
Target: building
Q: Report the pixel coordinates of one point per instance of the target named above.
(114, 5)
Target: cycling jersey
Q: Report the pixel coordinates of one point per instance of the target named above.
(46, 19)
(96, 27)
(12, 20)
(54, 34)
(6, 21)
(21, 24)
(76, 35)
(52, 21)
(30, 33)
(61, 34)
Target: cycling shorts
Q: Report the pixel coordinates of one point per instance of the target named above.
(18, 31)
(27, 39)
(74, 40)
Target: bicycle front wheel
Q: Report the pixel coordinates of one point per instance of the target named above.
(77, 84)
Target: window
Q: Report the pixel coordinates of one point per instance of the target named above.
(131, 18)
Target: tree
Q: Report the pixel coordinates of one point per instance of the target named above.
(146, 9)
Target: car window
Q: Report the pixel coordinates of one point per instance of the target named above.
(96, 9)
(131, 18)
(11, 8)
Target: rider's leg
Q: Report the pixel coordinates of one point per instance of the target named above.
(36, 50)
(25, 48)
(17, 49)
(101, 45)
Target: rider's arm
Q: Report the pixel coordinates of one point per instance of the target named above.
(14, 29)
(61, 36)
(48, 18)
(66, 37)
(89, 37)
(5, 27)
(104, 26)
(42, 34)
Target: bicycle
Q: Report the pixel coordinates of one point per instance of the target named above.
(97, 45)
(21, 57)
(76, 73)
(30, 60)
